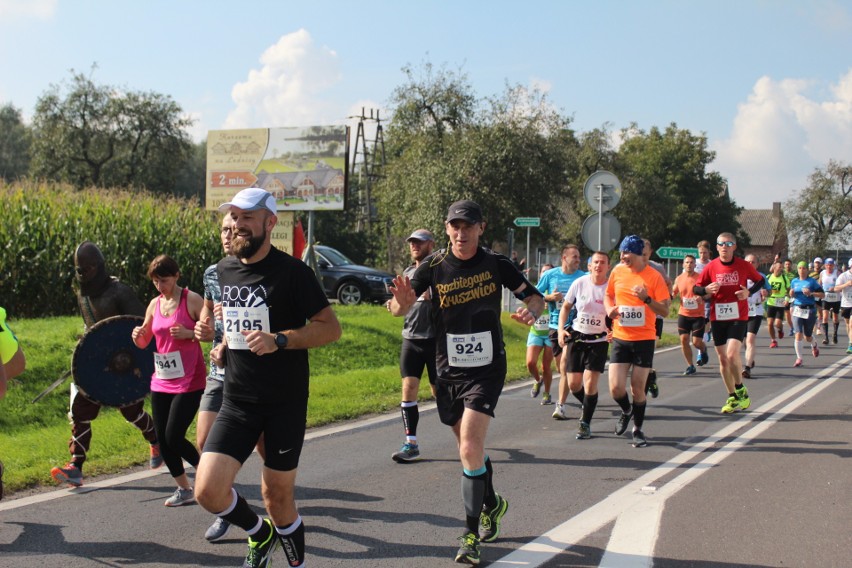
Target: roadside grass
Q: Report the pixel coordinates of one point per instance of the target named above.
(356, 376)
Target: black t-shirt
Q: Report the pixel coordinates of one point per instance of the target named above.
(283, 290)
(466, 301)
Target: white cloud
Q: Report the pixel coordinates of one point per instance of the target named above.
(21, 9)
(780, 135)
(288, 88)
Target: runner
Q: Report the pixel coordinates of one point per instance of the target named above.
(418, 350)
(553, 284)
(725, 279)
(635, 293)
(844, 285)
(755, 317)
(777, 303)
(274, 310)
(538, 345)
(588, 333)
(790, 273)
(814, 272)
(690, 318)
(831, 302)
(804, 290)
(467, 281)
(704, 251)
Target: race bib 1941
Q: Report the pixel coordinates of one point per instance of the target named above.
(470, 350)
(168, 365)
(238, 319)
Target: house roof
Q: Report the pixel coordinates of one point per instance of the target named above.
(761, 225)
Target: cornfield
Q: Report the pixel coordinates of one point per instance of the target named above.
(42, 224)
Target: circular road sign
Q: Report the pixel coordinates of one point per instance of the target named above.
(610, 232)
(602, 186)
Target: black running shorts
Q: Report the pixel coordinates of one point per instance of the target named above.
(587, 356)
(636, 353)
(415, 355)
(688, 325)
(480, 395)
(724, 330)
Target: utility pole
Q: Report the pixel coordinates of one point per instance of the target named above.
(371, 166)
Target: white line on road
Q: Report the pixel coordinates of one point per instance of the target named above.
(640, 505)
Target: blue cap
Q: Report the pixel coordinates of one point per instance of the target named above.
(633, 244)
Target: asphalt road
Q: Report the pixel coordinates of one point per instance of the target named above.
(771, 486)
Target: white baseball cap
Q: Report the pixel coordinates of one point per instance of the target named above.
(251, 199)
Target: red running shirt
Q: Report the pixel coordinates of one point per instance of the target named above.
(724, 305)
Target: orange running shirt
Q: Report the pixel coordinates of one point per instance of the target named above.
(636, 321)
(691, 306)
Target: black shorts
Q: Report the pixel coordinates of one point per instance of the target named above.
(480, 395)
(831, 307)
(239, 425)
(694, 326)
(415, 355)
(775, 312)
(587, 356)
(557, 349)
(211, 400)
(845, 313)
(658, 327)
(731, 329)
(754, 324)
(636, 353)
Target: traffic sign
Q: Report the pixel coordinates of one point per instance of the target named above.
(602, 236)
(676, 253)
(602, 191)
(528, 221)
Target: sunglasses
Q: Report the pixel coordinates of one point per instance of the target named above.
(725, 243)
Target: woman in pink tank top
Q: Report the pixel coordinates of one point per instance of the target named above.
(179, 370)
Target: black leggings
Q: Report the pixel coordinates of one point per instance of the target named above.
(173, 413)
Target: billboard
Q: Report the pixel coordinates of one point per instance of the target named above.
(304, 168)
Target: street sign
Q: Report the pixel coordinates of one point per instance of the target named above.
(602, 191)
(528, 221)
(608, 232)
(676, 253)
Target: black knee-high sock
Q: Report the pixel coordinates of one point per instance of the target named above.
(473, 494)
(410, 417)
(835, 328)
(293, 541)
(241, 515)
(624, 403)
(490, 498)
(639, 414)
(825, 329)
(580, 394)
(589, 405)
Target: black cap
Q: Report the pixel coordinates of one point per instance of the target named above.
(465, 210)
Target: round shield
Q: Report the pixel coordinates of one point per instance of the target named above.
(108, 367)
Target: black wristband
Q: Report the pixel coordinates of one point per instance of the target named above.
(648, 300)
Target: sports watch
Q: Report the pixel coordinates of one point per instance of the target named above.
(281, 340)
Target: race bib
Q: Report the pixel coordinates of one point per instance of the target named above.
(832, 297)
(238, 319)
(690, 303)
(631, 316)
(727, 311)
(589, 323)
(542, 323)
(752, 310)
(168, 365)
(471, 350)
(800, 312)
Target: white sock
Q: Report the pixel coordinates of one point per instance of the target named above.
(798, 344)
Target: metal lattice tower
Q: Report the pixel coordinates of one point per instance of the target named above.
(370, 167)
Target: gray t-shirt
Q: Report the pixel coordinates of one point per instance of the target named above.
(418, 320)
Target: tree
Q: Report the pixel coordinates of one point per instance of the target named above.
(14, 144)
(819, 217)
(669, 194)
(97, 135)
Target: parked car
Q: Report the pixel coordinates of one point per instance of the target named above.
(351, 283)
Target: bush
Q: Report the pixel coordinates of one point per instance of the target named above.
(44, 223)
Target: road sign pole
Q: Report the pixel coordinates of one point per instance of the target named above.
(600, 216)
(529, 262)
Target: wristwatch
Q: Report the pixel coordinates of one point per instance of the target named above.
(281, 340)
(648, 300)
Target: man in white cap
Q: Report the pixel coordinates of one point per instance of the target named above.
(418, 349)
(831, 302)
(267, 296)
(844, 286)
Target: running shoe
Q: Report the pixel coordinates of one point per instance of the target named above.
(584, 431)
(546, 400)
(731, 405)
(559, 412)
(407, 453)
(651, 384)
(623, 423)
(746, 372)
(468, 552)
(825, 340)
(745, 399)
(639, 440)
(849, 349)
(834, 339)
(260, 552)
(156, 459)
(689, 371)
(69, 474)
(815, 350)
(818, 330)
(773, 344)
(703, 358)
(798, 363)
(792, 333)
(536, 388)
(217, 530)
(181, 497)
(489, 521)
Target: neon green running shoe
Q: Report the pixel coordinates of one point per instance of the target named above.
(489, 521)
(259, 553)
(731, 405)
(745, 399)
(468, 552)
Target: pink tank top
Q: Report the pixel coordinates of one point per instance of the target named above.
(178, 363)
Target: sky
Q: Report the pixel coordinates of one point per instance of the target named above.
(766, 81)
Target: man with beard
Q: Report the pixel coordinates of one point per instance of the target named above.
(418, 349)
(100, 296)
(267, 296)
